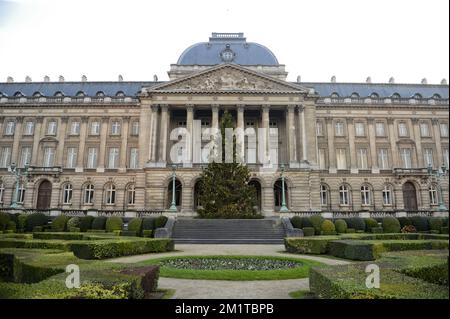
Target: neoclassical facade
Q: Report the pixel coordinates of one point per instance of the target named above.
(111, 145)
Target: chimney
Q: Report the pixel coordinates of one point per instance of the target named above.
(10, 79)
(333, 79)
(27, 79)
(392, 80)
(444, 82)
(424, 81)
(61, 78)
(83, 78)
(369, 79)
(46, 78)
(120, 78)
(155, 78)
(299, 79)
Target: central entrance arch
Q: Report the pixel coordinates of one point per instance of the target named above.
(44, 195)
(409, 196)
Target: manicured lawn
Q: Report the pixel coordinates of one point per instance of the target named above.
(301, 271)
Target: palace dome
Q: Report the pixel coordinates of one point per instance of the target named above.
(227, 48)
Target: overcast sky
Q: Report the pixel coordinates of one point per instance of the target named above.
(316, 39)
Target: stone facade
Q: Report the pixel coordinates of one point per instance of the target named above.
(106, 145)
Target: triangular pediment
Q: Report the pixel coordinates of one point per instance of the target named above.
(228, 78)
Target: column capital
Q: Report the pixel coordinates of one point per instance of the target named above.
(84, 119)
(390, 120)
(39, 119)
(19, 119)
(291, 108)
(435, 121)
(240, 107)
(370, 120)
(105, 119)
(126, 118)
(64, 119)
(350, 120)
(265, 108)
(415, 120)
(328, 119)
(301, 107)
(154, 107)
(189, 107)
(215, 107)
(164, 107)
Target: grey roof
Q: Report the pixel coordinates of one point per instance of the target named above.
(132, 88)
(382, 89)
(72, 88)
(245, 53)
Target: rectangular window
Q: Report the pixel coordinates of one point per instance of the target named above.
(25, 156)
(322, 159)
(134, 158)
(29, 128)
(339, 129)
(402, 129)
(424, 130)
(319, 128)
(379, 129)
(405, 155)
(360, 129)
(362, 158)
(115, 128)
(113, 158)
(5, 159)
(95, 128)
(135, 128)
(10, 127)
(387, 196)
(428, 157)
(51, 128)
(92, 157)
(75, 128)
(445, 157)
(444, 129)
(383, 158)
(49, 156)
(71, 157)
(341, 158)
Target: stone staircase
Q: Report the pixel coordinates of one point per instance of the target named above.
(228, 231)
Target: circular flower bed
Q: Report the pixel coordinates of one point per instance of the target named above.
(224, 263)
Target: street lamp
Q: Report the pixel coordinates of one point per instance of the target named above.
(283, 208)
(18, 174)
(440, 172)
(173, 206)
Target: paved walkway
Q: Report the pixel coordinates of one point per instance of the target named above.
(224, 289)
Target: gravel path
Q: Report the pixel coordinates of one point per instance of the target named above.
(224, 289)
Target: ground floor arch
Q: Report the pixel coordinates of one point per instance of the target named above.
(409, 196)
(257, 185)
(44, 195)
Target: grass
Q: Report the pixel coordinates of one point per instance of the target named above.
(301, 294)
(239, 275)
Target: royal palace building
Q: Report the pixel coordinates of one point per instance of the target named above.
(110, 145)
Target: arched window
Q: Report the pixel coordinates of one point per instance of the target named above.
(366, 198)
(334, 97)
(131, 194)
(67, 194)
(387, 195)
(344, 195)
(88, 194)
(354, 97)
(110, 194)
(100, 94)
(37, 94)
(59, 94)
(324, 195)
(1, 95)
(417, 96)
(436, 97)
(80, 94)
(2, 191)
(432, 190)
(395, 98)
(120, 94)
(374, 96)
(18, 94)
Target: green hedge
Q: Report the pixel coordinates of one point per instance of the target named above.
(113, 223)
(160, 221)
(308, 231)
(328, 228)
(60, 223)
(86, 223)
(73, 222)
(314, 245)
(99, 223)
(341, 226)
(61, 236)
(404, 221)
(370, 223)
(420, 223)
(296, 222)
(131, 233)
(147, 233)
(34, 244)
(4, 221)
(436, 223)
(356, 223)
(316, 221)
(148, 223)
(36, 219)
(116, 248)
(135, 225)
(22, 222)
(391, 225)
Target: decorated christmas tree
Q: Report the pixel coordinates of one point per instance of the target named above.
(224, 189)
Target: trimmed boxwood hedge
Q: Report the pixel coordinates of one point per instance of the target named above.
(404, 221)
(160, 221)
(370, 223)
(296, 222)
(313, 245)
(436, 223)
(113, 223)
(35, 219)
(99, 223)
(391, 225)
(73, 222)
(328, 228)
(86, 223)
(341, 226)
(316, 221)
(420, 223)
(356, 223)
(135, 225)
(62, 236)
(60, 223)
(308, 231)
(4, 221)
(148, 223)
(101, 249)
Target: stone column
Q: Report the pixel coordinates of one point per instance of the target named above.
(373, 146)
(263, 153)
(124, 144)
(82, 144)
(418, 139)
(310, 136)
(290, 130)
(438, 159)
(145, 128)
(330, 140)
(163, 135)
(36, 138)
(241, 125)
(392, 140)
(61, 141)
(215, 116)
(190, 137)
(17, 138)
(103, 137)
(302, 130)
(153, 132)
(351, 144)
